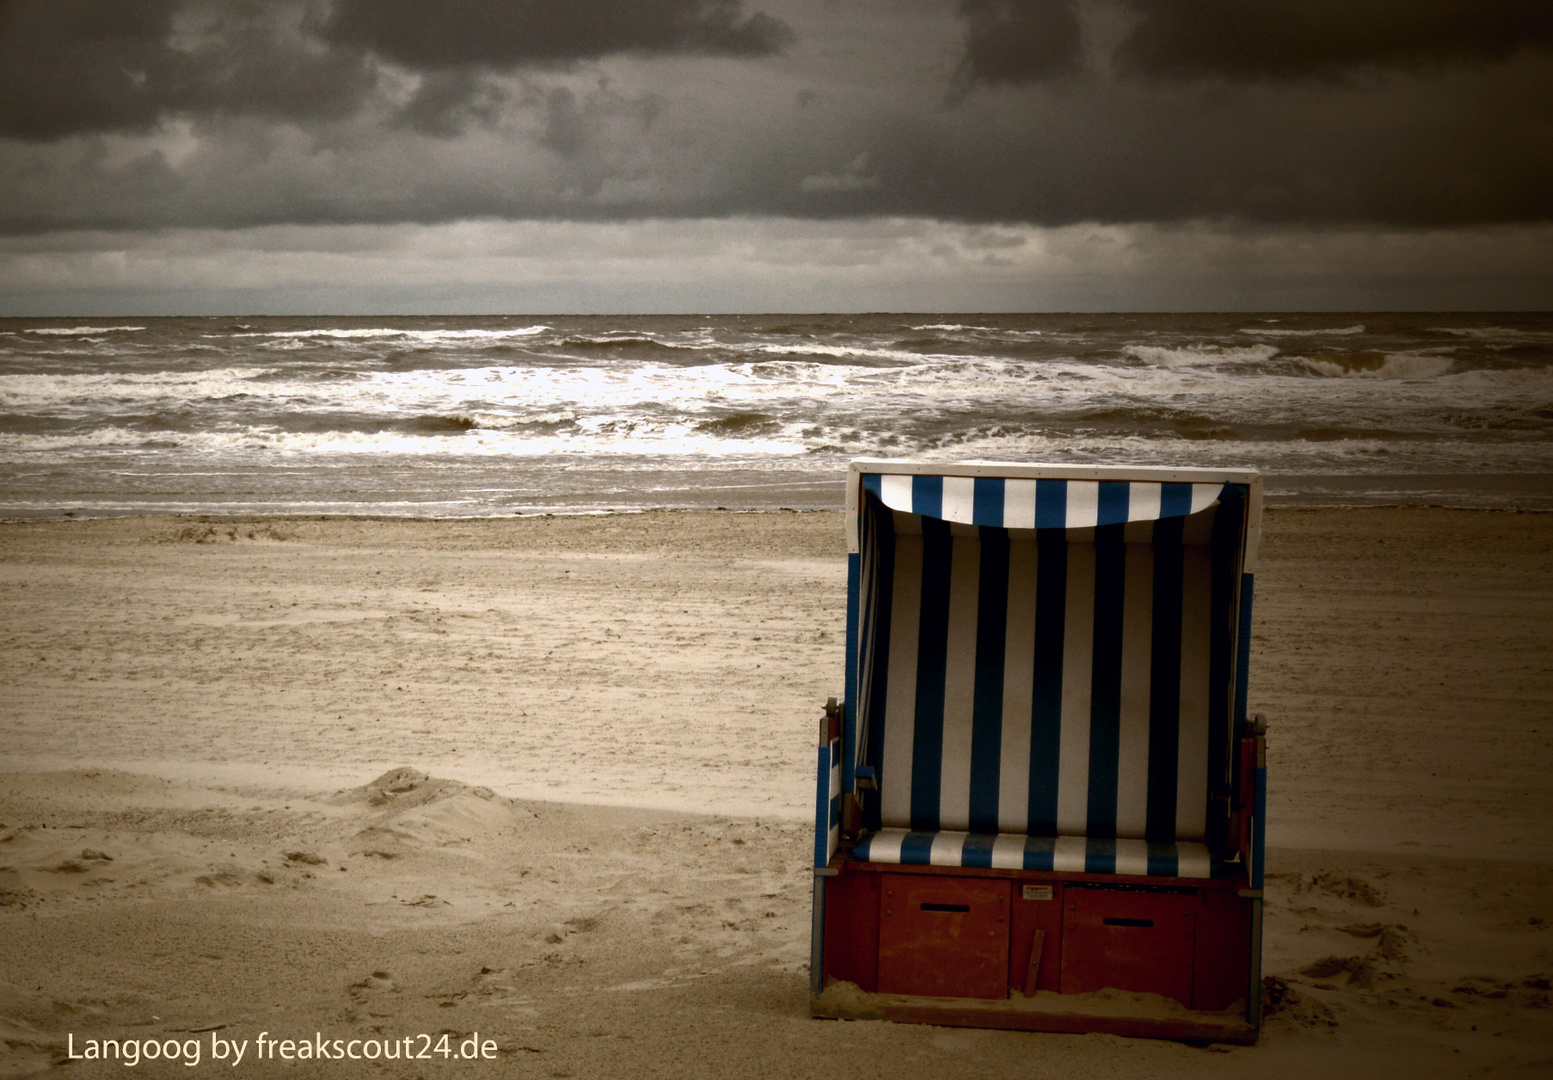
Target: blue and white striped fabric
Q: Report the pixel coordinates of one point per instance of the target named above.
(1064, 854)
(1039, 504)
(828, 809)
(1062, 682)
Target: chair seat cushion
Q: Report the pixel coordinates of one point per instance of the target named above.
(1066, 854)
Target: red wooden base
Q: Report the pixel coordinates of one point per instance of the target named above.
(1010, 948)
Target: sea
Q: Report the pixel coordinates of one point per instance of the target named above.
(502, 415)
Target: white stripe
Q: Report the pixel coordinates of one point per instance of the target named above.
(1143, 501)
(960, 499)
(947, 850)
(885, 846)
(954, 792)
(900, 700)
(1205, 495)
(906, 524)
(895, 490)
(1069, 854)
(1132, 857)
(1008, 853)
(1078, 650)
(1132, 764)
(1193, 860)
(1019, 504)
(1192, 740)
(1018, 685)
(1083, 504)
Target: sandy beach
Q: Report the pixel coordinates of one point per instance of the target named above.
(548, 780)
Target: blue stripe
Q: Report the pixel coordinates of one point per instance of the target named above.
(1099, 856)
(977, 850)
(822, 810)
(1225, 545)
(1040, 852)
(1051, 591)
(1175, 500)
(1105, 694)
(987, 501)
(1113, 502)
(987, 700)
(927, 496)
(849, 701)
(1051, 504)
(927, 757)
(1164, 860)
(875, 483)
(917, 849)
(1165, 681)
(1243, 653)
(882, 587)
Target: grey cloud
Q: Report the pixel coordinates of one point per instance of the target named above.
(1013, 41)
(687, 135)
(78, 66)
(499, 33)
(1295, 39)
(71, 66)
(1026, 41)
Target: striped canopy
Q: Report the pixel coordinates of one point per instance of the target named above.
(1012, 503)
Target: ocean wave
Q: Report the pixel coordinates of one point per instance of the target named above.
(1203, 355)
(430, 336)
(1377, 365)
(191, 386)
(956, 327)
(83, 331)
(1320, 331)
(623, 436)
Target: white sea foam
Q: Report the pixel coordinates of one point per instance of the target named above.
(84, 331)
(1338, 331)
(430, 336)
(1392, 366)
(1200, 355)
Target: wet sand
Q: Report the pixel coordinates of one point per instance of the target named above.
(599, 857)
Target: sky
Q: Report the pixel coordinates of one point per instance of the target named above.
(542, 156)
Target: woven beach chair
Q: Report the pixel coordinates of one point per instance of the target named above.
(1040, 802)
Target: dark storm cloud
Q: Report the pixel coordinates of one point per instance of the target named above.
(1265, 111)
(500, 33)
(1013, 41)
(1294, 39)
(69, 66)
(80, 66)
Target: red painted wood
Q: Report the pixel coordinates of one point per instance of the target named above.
(1032, 916)
(1221, 964)
(852, 928)
(1155, 958)
(943, 936)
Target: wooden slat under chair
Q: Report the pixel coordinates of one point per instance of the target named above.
(1040, 803)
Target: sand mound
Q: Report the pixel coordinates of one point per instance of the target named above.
(410, 808)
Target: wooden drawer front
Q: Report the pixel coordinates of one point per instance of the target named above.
(944, 936)
(1128, 940)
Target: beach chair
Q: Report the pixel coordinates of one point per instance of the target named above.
(1040, 804)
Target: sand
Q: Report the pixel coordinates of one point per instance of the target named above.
(548, 780)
